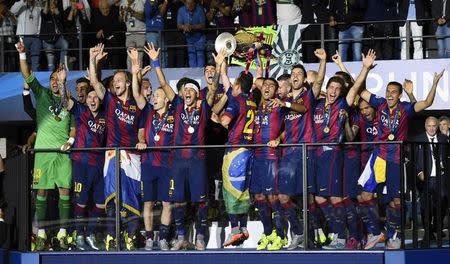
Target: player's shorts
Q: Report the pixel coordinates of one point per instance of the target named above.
(188, 182)
(290, 173)
(130, 180)
(155, 182)
(86, 177)
(52, 169)
(329, 167)
(264, 178)
(350, 177)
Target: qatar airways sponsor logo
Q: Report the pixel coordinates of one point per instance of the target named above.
(187, 119)
(124, 117)
(264, 121)
(318, 118)
(166, 127)
(95, 127)
(372, 131)
(389, 123)
(292, 116)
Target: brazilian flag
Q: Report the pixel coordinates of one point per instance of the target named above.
(235, 173)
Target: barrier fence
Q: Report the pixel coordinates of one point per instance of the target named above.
(415, 222)
(82, 48)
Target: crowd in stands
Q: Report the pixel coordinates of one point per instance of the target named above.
(59, 28)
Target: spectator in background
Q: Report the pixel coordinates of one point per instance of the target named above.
(316, 12)
(218, 15)
(264, 13)
(444, 125)
(51, 33)
(440, 10)
(174, 56)
(28, 13)
(384, 10)
(77, 17)
(242, 9)
(154, 12)
(109, 31)
(289, 12)
(132, 13)
(411, 10)
(342, 15)
(191, 21)
(7, 23)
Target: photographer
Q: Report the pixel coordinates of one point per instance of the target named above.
(28, 13)
(7, 23)
(77, 17)
(132, 13)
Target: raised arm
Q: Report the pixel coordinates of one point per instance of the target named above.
(368, 64)
(409, 88)
(218, 107)
(219, 59)
(322, 56)
(154, 56)
(224, 77)
(135, 84)
(95, 55)
(62, 74)
(24, 68)
(424, 104)
(338, 61)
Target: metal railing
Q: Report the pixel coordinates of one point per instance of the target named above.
(25, 210)
(83, 50)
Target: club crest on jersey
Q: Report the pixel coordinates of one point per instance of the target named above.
(170, 119)
(102, 121)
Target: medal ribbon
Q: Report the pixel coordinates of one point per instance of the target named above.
(327, 116)
(392, 124)
(159, 125)
(190, 118)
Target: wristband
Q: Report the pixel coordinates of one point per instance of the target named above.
(22, 56)
(156, 64)
(26, 92)
(288, 105)
(71, 140)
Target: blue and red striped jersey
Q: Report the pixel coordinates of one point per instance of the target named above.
(298, 127)
(90, 133)
(158, 131)
(367, 133)
(268, 126)
(394, 122)
(122, 121)
(241, 111)
(264, 13)
(190, 127)
(328, 124)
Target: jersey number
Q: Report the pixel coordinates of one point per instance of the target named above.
(250, 119)
(77, 187)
